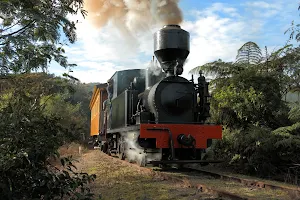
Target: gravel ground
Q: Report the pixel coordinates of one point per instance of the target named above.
(120, 180)
(117, 179)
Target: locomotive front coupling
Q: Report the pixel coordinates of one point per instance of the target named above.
(188, 141)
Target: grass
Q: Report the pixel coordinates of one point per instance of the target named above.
(119, 180)
(73, 149)
(229, 173)
(239, 189)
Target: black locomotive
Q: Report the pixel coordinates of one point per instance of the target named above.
(154, 115)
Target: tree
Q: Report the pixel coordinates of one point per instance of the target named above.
(218, 69)
(261, 135)
(283, 65)
(249, 53)
(294, 30)
(82, 95)
(59, 98)
(57, 106)
(247, 98)
(29, 136)
(243, 94)
(30, 33)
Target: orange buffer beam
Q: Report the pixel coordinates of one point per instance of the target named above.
(200, 132)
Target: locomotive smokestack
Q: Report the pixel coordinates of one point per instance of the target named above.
(171, 48)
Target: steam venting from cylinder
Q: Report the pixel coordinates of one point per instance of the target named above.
(171, 48)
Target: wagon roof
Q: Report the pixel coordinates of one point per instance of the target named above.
(101, 86)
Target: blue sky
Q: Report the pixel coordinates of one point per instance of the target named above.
(217, 29)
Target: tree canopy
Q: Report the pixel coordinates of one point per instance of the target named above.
(294, 30)
(249, 53)
(36, 118)
(30, 33)
(261, 132)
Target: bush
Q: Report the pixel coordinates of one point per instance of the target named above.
(261, 151)
(27, 139)
(248, 98)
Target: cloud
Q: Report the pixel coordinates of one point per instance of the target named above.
(90, 71)
(264, 5)
(263, 8)
(219, 30)
(214, 37)
(111, 43)
(94, 75)
(100, 53)
(216, 32)
(217, 8)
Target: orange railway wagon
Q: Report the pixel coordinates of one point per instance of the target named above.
(97, 110)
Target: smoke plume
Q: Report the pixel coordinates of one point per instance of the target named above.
(133, 15)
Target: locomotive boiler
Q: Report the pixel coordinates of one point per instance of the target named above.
(154, 115)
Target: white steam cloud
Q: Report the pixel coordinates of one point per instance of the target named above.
(154, 68)
(134, 151)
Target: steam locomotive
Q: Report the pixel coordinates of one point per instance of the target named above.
(153, 115)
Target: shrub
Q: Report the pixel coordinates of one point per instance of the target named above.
(27, 139)
(261, 151)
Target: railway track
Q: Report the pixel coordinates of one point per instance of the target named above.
(293, 191)
(230, 187)
(222, 194)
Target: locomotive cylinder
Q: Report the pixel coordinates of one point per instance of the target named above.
(171, 48)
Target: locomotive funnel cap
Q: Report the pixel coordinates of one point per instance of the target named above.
(171, 47)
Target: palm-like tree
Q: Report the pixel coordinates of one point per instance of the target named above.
(249, 53)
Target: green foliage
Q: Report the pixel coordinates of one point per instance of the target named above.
(69, 114)
(28, 138)
(290, 62)
(82, 95)
(294, 129)
(294, 30)
(258, 151)
(243, 95)
(31, 31)
(294, 114)
(249, 92)
(250, 98)
(262, 135)
(218, 68)
(31, 133)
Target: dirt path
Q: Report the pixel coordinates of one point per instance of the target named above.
(117, 179)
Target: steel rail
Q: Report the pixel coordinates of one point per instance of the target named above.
(204, 188)
(292, 192)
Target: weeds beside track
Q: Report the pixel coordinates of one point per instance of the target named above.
(229, 186)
